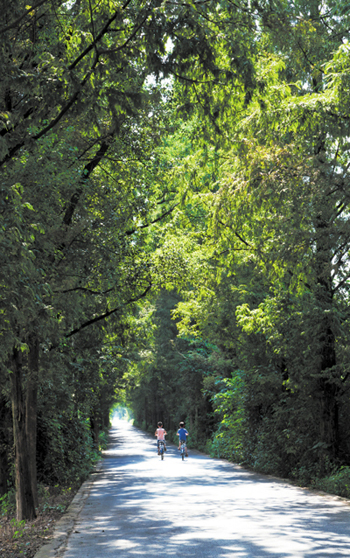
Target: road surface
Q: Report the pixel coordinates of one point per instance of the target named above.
(200, 508)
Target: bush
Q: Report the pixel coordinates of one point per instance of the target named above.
(65, 450)
(338, 483)
(103, 439)
(8, 503)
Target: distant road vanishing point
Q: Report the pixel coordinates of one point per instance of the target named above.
(199, 508)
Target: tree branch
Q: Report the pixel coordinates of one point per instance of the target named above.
(242, 239)
(55, 121)
(165, 214)
(341, 284)
(19, 19)
(98, 37)
(112, 50)
(88, 169)
(107, 314)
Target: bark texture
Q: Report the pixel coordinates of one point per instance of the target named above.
(32, 412)
(24, 494)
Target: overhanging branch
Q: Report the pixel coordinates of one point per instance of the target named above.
(19, 19)
(103, 31)
(107, 314)
(162, 216)
(88, 169)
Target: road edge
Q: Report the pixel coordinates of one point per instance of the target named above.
(65, 525)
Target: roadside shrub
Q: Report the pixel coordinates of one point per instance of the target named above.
(65, 450)
(338, 483)
(8, 503)
(103, 439)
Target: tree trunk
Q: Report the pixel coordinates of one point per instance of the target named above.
(24, 495)
(32, 411)
(106, 421)
(329, 420)
(95, 429)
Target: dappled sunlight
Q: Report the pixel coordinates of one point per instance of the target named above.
(202, 507)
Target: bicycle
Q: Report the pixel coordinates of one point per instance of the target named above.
(183, 451)
(161, 449)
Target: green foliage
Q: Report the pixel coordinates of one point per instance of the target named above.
(338, 483)
(84, 191)
(263, 234)
(66, 451)
(167, 382)
(18, 528)
(228, 405)
(8, 503)
(268, 273)
(103, 440)
(59, 507)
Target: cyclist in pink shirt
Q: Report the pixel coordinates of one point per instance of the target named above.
(160, 433)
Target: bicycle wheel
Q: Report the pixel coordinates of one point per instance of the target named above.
(183, 456)
(162, 456)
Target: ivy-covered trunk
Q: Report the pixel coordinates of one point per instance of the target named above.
(24, 493)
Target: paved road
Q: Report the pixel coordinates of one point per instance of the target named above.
(200, 508)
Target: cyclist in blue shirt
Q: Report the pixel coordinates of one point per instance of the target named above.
(182, 434)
